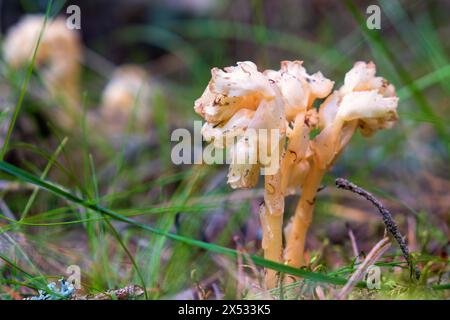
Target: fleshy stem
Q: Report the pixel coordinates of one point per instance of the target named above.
(302, 218)
(271, 215)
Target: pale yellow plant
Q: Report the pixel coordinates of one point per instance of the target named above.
(239, 98)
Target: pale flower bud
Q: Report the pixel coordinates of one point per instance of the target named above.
(364, 100)
(361, 78)
(298, 88)
(59, 51)
(232, 89)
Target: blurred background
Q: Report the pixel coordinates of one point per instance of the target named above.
(101, 102)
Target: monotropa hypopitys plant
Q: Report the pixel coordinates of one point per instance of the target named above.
(242, 99)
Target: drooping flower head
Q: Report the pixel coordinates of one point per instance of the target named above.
(241, 98)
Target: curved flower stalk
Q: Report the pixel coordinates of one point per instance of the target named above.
(58, 58)
(365, 102)
(126, 99)
(244, 113)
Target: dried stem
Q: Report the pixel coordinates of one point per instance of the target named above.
(389, 222)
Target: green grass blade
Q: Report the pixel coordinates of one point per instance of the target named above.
(130, 256)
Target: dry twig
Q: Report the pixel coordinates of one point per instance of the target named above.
(126, 293)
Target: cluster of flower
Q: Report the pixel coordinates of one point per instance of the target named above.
(241, 98)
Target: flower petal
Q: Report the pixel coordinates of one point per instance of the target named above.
(328, 110)
(298, 88)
